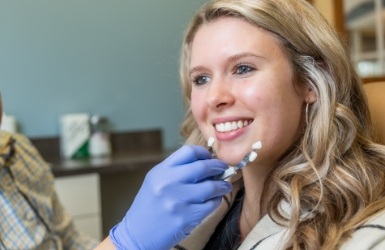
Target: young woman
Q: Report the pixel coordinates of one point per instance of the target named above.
(270, 71)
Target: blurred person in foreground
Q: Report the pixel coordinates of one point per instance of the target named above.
(31, 216)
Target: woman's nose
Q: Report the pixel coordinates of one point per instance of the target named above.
(220, 94)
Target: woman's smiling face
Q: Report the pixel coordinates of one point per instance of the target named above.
(243, 90)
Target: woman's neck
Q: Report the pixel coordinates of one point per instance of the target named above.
(253, 209)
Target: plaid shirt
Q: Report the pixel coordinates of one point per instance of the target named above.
(31, 216)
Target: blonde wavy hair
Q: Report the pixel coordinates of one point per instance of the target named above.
(337, 171)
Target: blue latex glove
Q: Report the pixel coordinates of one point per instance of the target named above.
(175, 197)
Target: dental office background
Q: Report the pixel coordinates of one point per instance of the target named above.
(115, 58)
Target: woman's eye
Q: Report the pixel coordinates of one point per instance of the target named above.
(243, 69)
(200, 80)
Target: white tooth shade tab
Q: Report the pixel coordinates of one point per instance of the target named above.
(230, 126)
(257, 145)
(253, 155)
(210, 141)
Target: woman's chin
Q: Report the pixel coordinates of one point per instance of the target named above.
(231, 159)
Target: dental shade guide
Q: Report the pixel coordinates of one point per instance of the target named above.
(210, 143)
(232, 170)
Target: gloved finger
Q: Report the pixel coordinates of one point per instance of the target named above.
(187, 154)
(198, 212)
(201, 192)
(199, 170)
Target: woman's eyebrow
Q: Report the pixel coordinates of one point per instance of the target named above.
(243, 55)
(196, 69)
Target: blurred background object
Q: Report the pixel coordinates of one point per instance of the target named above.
(99, 144)
(8, 123)
(118, 59)
(364, 22)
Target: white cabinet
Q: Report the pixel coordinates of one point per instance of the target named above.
(80, 195)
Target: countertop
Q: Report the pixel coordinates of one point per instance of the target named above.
(131, 151)
(113, 164)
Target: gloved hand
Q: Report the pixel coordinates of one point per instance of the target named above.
(175, 197)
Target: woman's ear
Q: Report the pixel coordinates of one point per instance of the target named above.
(310, 96)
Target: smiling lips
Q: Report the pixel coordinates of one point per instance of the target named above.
(230, 126)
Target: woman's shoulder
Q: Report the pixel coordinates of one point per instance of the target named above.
(370, 235)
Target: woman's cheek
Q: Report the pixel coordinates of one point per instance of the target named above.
(197, 106)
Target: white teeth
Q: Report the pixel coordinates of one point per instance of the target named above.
(234, 125)
(230, 126)
(220, 127)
